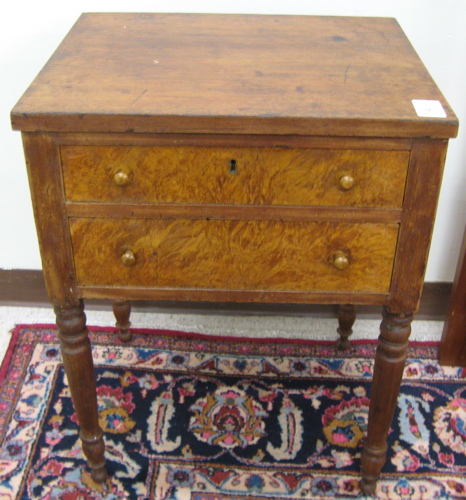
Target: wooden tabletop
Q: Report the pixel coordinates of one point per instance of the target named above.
(249, 74)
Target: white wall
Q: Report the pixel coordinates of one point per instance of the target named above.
(31, 30)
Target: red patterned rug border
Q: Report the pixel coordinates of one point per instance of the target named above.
(177, 334)
(9, 353)
(226, 338)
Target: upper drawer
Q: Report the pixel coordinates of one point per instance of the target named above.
(239, 176)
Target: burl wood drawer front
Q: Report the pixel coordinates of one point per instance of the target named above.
(233, 255)
(257, 176)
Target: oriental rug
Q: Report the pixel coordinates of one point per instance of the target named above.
(193, 417)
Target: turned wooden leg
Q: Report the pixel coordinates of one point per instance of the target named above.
(346, 319)
(122, 312)
(388, 371)
(79, 368)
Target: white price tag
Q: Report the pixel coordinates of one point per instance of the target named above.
(429, 108)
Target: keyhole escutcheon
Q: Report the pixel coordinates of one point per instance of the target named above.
(233, 167)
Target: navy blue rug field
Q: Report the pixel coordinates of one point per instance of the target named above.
(193, 417)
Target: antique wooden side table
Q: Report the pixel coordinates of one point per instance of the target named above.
(238, 158)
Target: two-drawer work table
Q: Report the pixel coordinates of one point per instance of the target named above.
(279, 159)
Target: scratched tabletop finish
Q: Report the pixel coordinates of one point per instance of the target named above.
(233, 74)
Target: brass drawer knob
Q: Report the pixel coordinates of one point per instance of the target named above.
(128, 258)
(346, 182)
(340, 260)
(122, 178)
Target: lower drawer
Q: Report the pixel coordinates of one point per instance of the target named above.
(234, 255)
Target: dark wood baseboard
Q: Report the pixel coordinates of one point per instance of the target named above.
(22, 287)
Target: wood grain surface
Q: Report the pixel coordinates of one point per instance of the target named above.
(215, 296)
(233, 140)
(233, 255)
(48, 201)
(237, 212)
(261, 176)
(235, 74)
(417, 223)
